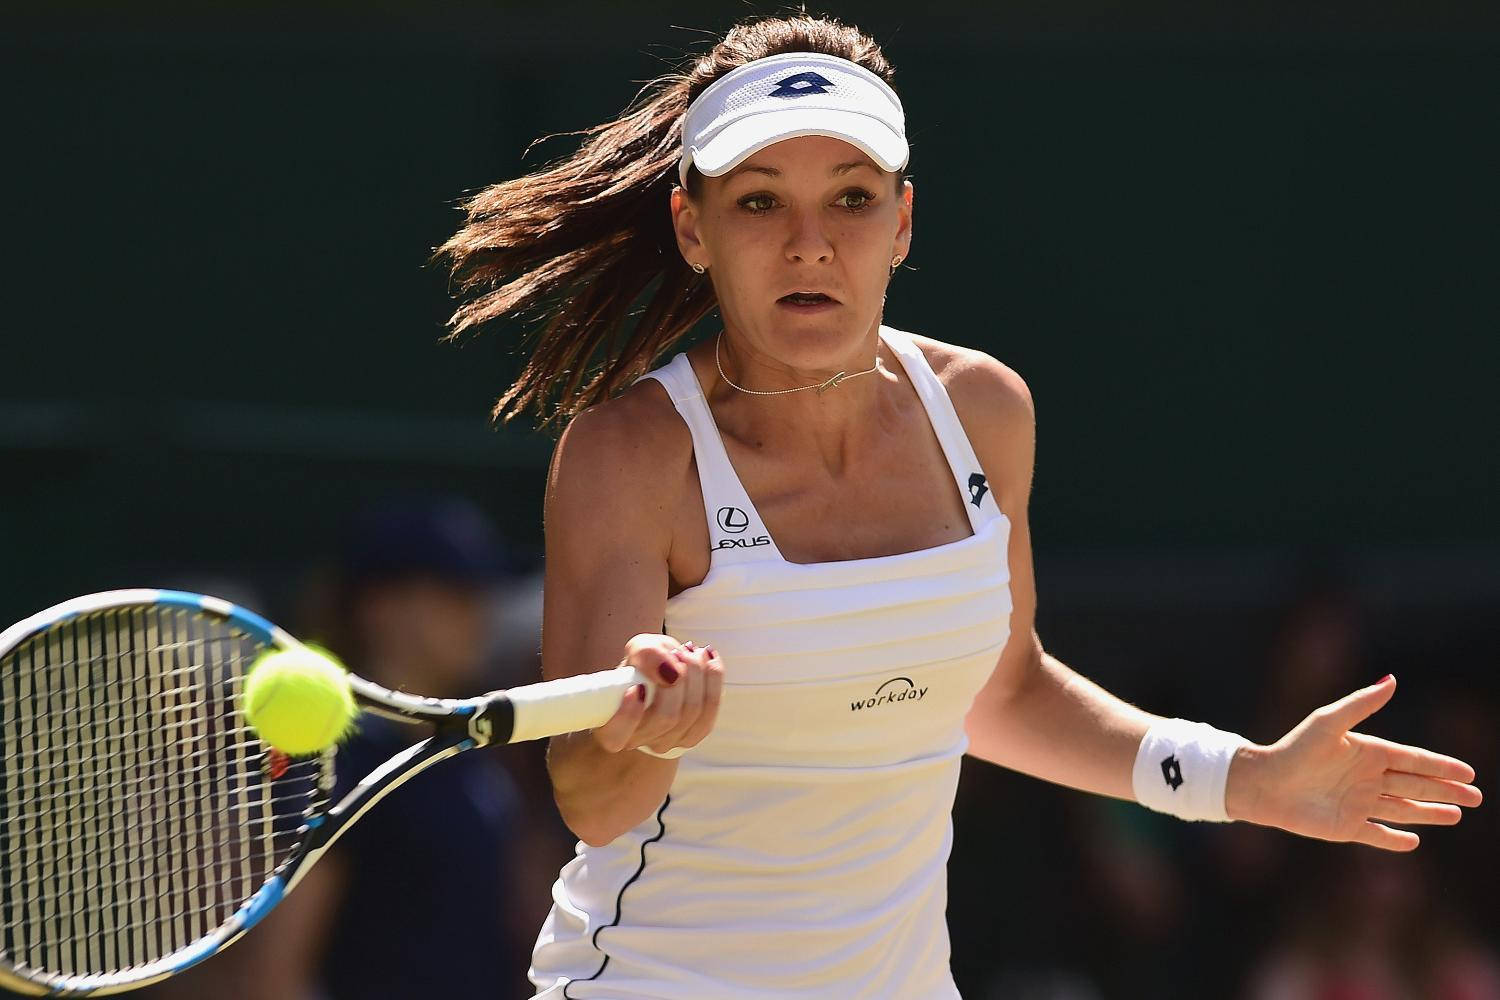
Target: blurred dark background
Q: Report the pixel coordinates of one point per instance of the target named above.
(1245, 258)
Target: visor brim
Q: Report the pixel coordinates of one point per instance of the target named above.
(742, 139)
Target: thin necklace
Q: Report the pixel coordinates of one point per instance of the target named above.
(821, 386)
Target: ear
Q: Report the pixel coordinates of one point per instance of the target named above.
(903, 232)
(685, 220)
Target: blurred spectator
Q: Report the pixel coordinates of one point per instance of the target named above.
(1371, 927)
(422, 882)
(416, 899)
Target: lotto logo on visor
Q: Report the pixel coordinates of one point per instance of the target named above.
(790, 95)
(802, 83)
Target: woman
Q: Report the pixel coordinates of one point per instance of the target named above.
(812, 528)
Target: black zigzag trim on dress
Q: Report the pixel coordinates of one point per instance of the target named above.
(661, 831)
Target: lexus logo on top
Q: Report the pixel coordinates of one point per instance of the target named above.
(733, 520)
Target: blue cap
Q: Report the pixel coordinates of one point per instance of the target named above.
(443, 537)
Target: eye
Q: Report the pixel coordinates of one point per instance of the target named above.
(862, 199)
(757, 204)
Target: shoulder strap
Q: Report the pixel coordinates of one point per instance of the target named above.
(967, 472)
(736, 532)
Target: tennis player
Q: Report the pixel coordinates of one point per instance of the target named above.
(812, 528)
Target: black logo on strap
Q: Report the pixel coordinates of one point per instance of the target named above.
(1172, 772)
(977, 488)
(801, 85)
(733, 520)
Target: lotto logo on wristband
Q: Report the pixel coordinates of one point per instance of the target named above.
(1172, 748)
(1172, 772)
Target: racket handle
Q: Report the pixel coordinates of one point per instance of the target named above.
(571, 704)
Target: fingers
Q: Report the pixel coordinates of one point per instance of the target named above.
(712, 689)
(615, 735)
(1399, 810)
(667, 707)
(1425, 789)
(1381, 836)
(687, 728)
(1400, 757)
(689, 683)
(662, 731)
(647, 653)
(1352, 709)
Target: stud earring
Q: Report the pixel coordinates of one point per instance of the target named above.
(699, 268)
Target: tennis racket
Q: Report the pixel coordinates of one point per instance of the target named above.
(143, 826)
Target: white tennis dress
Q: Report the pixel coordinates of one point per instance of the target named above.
(801, 852)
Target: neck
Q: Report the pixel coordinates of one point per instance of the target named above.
(843, 405)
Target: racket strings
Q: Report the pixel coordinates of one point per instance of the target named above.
(35, 820)
(209, 753)
(232, 850)
(103, 707)
(148, 925)
(137, 811)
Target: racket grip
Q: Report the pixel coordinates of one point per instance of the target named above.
(571, 704)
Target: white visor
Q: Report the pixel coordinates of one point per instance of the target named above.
(785, 96)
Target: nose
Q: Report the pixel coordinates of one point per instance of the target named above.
(807, 242)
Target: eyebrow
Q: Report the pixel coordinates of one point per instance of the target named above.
(837, 171)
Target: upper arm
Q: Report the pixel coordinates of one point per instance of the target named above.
(615, 479)
(999, 418)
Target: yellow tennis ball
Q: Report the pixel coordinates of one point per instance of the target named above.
(299, 700)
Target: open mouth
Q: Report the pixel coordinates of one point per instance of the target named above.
(806, 299)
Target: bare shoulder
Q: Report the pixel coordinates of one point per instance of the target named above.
(641, 422)
(994, 406)
(621, 460)
(985, 391)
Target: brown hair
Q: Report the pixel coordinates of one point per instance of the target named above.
(584, 240)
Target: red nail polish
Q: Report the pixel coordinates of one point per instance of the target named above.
(1385, 678)
(668, 672)
(638, 692)
(689, 646)
(711, 654)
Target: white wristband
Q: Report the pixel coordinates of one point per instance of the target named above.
(671, 754)
(1182, 768)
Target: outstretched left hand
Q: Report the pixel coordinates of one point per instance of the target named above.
(1322, 780)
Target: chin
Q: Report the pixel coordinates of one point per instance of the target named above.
(809, 344)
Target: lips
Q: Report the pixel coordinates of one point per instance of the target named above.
(807, 298)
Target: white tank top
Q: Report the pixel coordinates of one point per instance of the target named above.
(801, 852)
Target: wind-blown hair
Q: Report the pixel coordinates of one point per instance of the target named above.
(584, 243)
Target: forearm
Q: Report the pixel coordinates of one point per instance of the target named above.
(1063, 728)
(601, 794)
